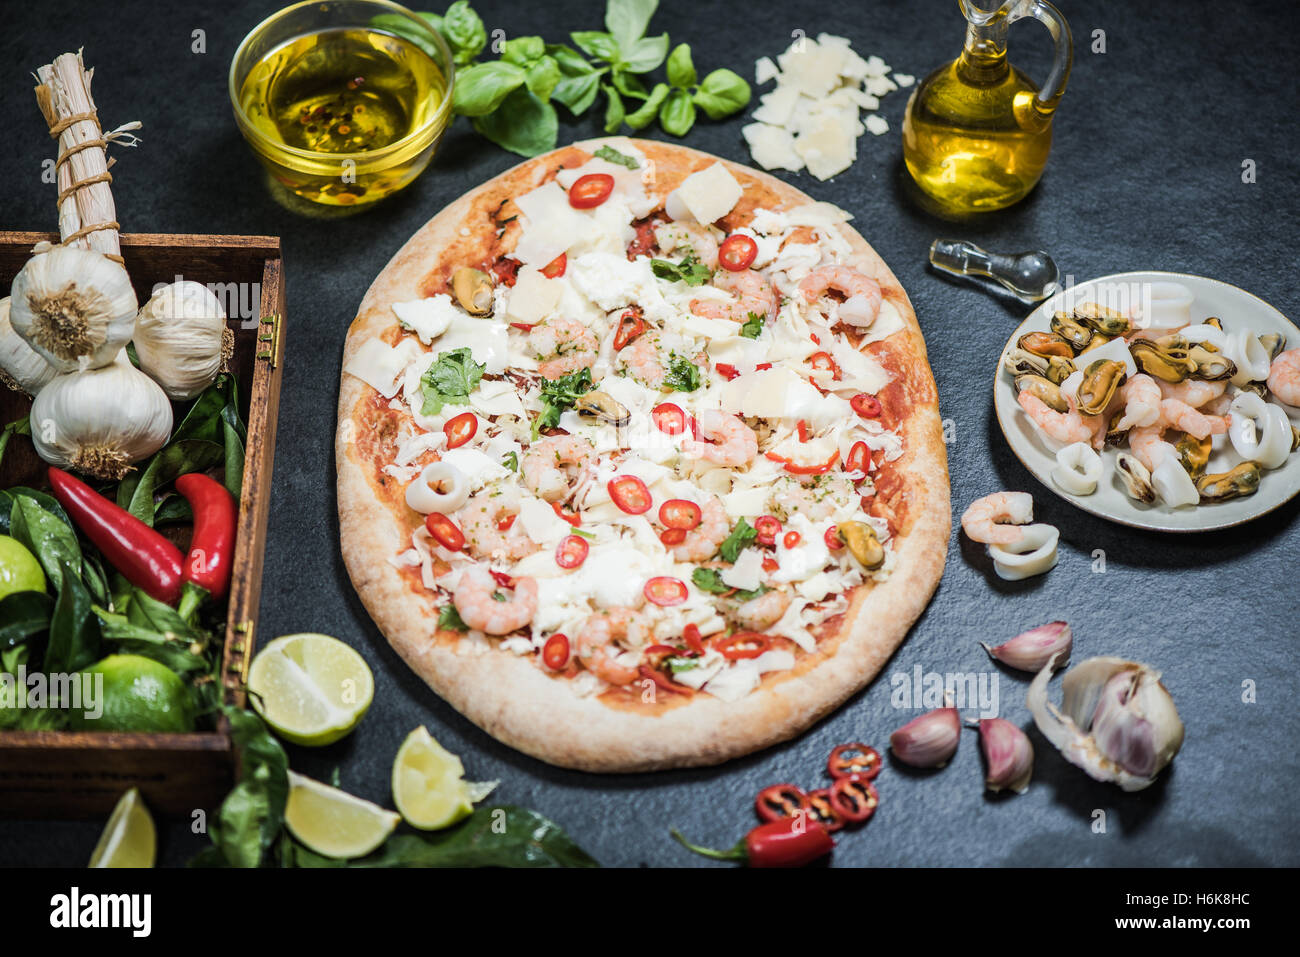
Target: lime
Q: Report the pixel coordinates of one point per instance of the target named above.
(333, 822)
(312, 689)
(138, 694)
(128, 839)
(19, 569)
(428, 783)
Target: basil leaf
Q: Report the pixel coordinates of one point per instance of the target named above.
(710, 580)
(611, 155)
(627, 20)
(752, 327)
(46, 536)
(741, 537)
(645, 55)
(558, 395)
(646, 112)
(449, 619)
(74, 630)
(613, 110)
(524, 124)
(577, 92)
(722, 93)
(690, 270)
(628, 84)
(402, 27)
(571, 62)
(23, 616)
(678, 113)
(594, 43)
(523, 50)
(682, 375)
(464, 32)
(543, 77)
(483, 88)
(179, 458)
(681, 68)
(451, 378)
(501, 836)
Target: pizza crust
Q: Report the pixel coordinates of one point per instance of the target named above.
(514, 700)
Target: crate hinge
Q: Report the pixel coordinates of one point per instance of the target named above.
(269, 338)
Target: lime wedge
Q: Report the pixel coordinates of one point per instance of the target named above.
(429, 786)
(333, 822)
(129, 839)
(311, 689)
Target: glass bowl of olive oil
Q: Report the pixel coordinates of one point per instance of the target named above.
(343, 101)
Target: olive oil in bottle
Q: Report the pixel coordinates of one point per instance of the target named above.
(343, 94)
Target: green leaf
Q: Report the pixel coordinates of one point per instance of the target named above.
(577, 92)
(681, 69)
(74, 630)
(752, 327)
(524, 124)
(511, 461)
(234, 463)
(628, 85)
(710, 580)
(145, 611)
(464, 32)
(179, 458)
(127, 638)
(21, 426)
(46, 536)
(484, 87)
(628, 20)
(741, 537)
(451, 378)
(678, 113)
(402, 27)
(543, 77)
(682, 375)
(602, 46)
(449, 619)
(500, 836)
(523, 50)
(252, 815)
(558, 395)
(721, 94)
(647, 111)
(613, 110)
(690, 270)
(645, 55)
(611, 155)
(570, 61)
(23, 616)
(43, 499)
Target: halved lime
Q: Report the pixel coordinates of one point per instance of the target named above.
(429, 786)
(333, 822)
(311, 689)
(129, 839)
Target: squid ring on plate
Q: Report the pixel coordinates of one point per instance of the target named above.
(1172, 483)
(1033, 554)
(1259, 431)
(1078, 469)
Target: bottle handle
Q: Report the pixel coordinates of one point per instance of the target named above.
(1049, 97)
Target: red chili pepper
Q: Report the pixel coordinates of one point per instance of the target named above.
(572, 551)
(727, 370)
(741, 644)
(795, 469)
(663, 681)
(630, 494)
(680, 513)
(459, 429)
(573, 518)
(503, 524)
(823, 810)
(804, 432)
(825, 362)
(763, 366)
(691, 635)
(672, 537)
(852, 759)
(591, 190)
(501, 578)
(524, 326)
(858, 460)
(815, 338)
(855, 798)
(555, 653)
(555, 268)
(665, 591)
(768, 527)
(832, 538)
(779, 801)
(631, 326)
(212, 543)
(789, 842)
(669, 418)
(867, 406)
(770, 565)
(445, 532)
(142, 555)
(791, 539)
(506, 271)
(737, 252)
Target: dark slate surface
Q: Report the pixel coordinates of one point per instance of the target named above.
(1146, 174)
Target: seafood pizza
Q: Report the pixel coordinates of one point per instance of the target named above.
(640, 462)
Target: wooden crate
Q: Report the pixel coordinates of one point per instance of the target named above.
(65, 774)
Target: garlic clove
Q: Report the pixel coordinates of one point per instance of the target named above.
(1008, 755)
(21, 367)
(1033, 649)
(1117, 721)
(928, 741)
(180, 338)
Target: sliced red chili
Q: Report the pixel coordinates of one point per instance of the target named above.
(763, 366)
(501, 578)
(524, 326)
(854, 758)
(669, 418)
(768, 527)
(573, 518)
(832, 538)
(444, 531)
(506, 271)
(858, 460)
(867, 406)
(504, 524)
(459, 429)
(631, 325)
(680, 513)
(630, 494)
(591, 190)
(727, 370)
(555, 653)
(795, 469)
(737, 252)
(805, 432)
(555, 268)
(741, 644)
(778, 801)
(691, 635)
(822, 810)
(770, 564)
(661, 680)
(854, 798)
(791, 539)
(672, 537)
(572, 551)
(665, 591)
(825, 362)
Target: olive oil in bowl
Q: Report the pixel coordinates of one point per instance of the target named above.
(344, 116)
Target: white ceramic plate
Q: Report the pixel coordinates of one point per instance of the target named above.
(1237, 308)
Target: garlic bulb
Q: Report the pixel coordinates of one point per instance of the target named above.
(1117, 721)
(21, 367)
(179, 335)
(73, 306)
(102, 420)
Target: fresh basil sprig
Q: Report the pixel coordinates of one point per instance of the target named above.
(690, 270)
(741, 537)
(451, 378)
(558, 395)
(710, 580)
